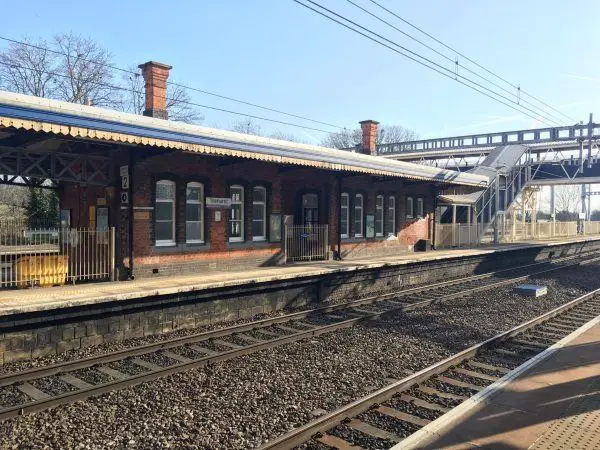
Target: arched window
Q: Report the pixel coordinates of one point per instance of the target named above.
(391, 216)
(420, 209)
(236, 215)
(164, 213)
(344, 215)
(410, 208)
(379, 215)
(194, 213)
(259, 213)
(358, 215)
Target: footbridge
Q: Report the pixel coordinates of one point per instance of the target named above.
(517, 163)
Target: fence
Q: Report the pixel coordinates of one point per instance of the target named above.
(306, 242)
(470, 235)
(49, 256)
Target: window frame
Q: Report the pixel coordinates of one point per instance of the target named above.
(410, 212)
(345, 235)
(201, 207)
(242, 213)
(391, 213)
(420, 213)
(264, 214)
(173, 201)
(379, 212)
(362, 220)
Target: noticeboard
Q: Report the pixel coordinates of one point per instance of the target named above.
(370, 226)
(275, 227)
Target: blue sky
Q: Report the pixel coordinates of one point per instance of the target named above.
(278, 54)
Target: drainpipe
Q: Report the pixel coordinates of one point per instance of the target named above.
(130, 195)
(339, 218)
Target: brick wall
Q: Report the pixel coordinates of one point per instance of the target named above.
(285, 186)
(407, 230)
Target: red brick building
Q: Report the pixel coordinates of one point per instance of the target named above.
(186, 198)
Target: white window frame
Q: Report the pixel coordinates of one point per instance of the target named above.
(241, 202)
(361, 208)
(264, 214)
(379, 212)
(199, 202)
(166, 242)
(391, 211)
(410, 211)
(345, 195)
(420, 207)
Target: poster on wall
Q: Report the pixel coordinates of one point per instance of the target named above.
(370, 226)
(275, 227)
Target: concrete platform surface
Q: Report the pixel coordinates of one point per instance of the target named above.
(45, 299)
(553, 405)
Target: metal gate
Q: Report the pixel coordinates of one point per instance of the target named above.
(53, 255)
(306, 242)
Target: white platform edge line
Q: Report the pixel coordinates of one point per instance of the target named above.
(425, 434)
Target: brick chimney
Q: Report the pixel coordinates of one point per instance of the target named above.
(369, 137)
(155, 86)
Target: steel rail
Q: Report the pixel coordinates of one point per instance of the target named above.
(58, 368)
(130, 380)
(304, 433)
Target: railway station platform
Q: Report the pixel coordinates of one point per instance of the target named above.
(41, 299)
(42, 321)
(553, 404)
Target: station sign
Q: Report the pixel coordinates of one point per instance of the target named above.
(218, 202)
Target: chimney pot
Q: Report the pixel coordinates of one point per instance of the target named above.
(369, 137)
(155, 88)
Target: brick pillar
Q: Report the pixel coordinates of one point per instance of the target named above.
(155, 87)
(369, 137)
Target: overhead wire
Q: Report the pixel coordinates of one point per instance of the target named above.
(469, 59)
(121, 88)
(453, 61)
(429, 63)
(172, 83)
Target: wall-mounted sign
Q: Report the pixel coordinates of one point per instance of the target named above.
(217, 202)
(124, 171)
(370, 226)
(125, 182)
(124, 198)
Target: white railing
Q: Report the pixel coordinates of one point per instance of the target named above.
(306, 242)
(458, 235)
(49, 256)
(469, 235)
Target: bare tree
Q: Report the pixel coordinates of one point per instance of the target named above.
(567, 199)
(28, 69)
(178, 99)
(87, 73)
(349, 139)
(248, 126)
(70, 68)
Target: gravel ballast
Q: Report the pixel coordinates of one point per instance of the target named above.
(243, 402)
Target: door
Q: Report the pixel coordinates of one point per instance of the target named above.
(310, 209)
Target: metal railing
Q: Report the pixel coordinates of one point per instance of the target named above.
(49, 256)
(306, 242)
(471, 235)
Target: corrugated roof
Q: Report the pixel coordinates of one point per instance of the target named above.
(51, 116)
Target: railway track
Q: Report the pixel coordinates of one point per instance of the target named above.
(45, 387)
(395, 412)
